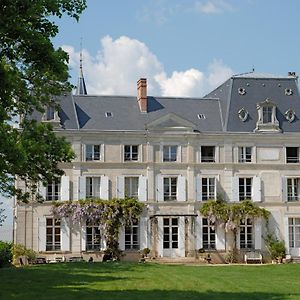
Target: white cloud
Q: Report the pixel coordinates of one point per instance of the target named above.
(213, 6)
(121, 62)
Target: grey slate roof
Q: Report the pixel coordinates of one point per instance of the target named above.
(220, 107)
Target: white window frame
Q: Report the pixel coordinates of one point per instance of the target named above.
(171, 195)
(128, 182)
(261, 125)
(209, 237)
(93, 152)
(132, 236)
(205, 159)
(246, 195)
(92, 190)
(95, 243)
(53, 190)
(291, 160)
(247, 227)
(294, 232)
(211, 187)
(170, 231)
(243, 156)
(292, 189)
(53, 245)
(128, 155)
(168, 154)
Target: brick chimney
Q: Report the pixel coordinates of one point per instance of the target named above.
(142, 94)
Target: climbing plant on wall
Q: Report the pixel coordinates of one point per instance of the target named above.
(230, 215)
(111, 215)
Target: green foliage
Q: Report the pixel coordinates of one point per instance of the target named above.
(19, 250)
(32, 73)
(232, 256)
(275, 247)
(5, 254)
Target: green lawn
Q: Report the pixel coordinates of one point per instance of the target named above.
(149, 281)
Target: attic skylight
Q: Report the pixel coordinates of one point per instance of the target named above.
(288, 92)
(290, 115)
(201, 116)
(242, 91)
(108, 114)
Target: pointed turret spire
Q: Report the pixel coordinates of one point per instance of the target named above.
(81, 88)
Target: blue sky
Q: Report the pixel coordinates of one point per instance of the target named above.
(184, 48)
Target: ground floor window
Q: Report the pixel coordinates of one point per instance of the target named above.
(170, 229)
(246, 234)
(294, 232)
(208, 235)
(53, 236)
(93, 238)
(132, 235)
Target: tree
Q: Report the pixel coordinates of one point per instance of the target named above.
(32, 74)
(2, 216)
(230, 215)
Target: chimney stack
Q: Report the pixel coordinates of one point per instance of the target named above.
(142, 94)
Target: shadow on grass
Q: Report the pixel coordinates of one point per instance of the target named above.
(107, 282)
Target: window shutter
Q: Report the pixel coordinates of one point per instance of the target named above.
(179, 154)
(216, 186)
(42, 234)
(122, 239)
(199, 188)
(181, 236)
(82, 187)
(120, 187)
(181, 188)
(65, 234)
(198, 231)
(257, 236)
(42, 190)
(160, 237)
(235, 189)
(286, 235)
(284, 188)
(143, 233)
(104, 187)
(220, 237)
(159, 188)
(256, 189)
(142, 190)
(65, 188)
(83, 237)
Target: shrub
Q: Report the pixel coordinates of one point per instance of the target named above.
(5, 254)
(275, 247)
(20, 250)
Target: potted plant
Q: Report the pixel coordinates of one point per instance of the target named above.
(275, 247)
(145, 252)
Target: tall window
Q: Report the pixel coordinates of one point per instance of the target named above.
(207, 153)
(170, 227)
(292, 154)
(245, 188)
(294, 232)
(131, 187)
(93, 237)
(131, 152)
(245, 154)
(132, 235)
(170, 153)
(92, 187)
(293, 189)
(92, 152)
(246, 234)
(53, 191)
(267, 114)
(208, 235)
(50, 113)
(208, 188)
(170, 188)
(52, 234)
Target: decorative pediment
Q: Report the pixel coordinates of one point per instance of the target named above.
(171, 122)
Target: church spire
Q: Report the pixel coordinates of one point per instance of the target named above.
(81, 88)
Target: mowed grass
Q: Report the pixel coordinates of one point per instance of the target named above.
(149, 281)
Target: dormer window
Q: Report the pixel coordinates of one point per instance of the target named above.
(50, 113)
(267, 121)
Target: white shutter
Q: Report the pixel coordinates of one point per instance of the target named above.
(65, 188)
(235, 189)
(82, 187)
(143, 233)
(65, 234)
(284, 188)
(198, 233)
(120, 187)
(220, 238)
(286, 235)
(216, 186)
(42, 234)
(179, 154)
(122, 239)
(83, 237)
(104, 187)
(257, 234)
(256, 189)
(160, 237)
(198, 188)
(42, 190)
(181, 188)
(142, 190)
(181, 236)
(159, 188)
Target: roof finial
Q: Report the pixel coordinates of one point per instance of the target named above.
(253, 69)
(81, 88)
